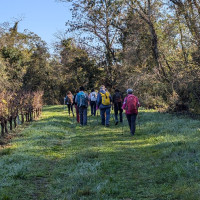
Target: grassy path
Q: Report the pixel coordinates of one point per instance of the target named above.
(56, 159)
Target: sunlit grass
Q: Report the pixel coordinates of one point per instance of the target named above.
(55, 158)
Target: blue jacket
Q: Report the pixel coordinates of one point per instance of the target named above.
(99, 100)
(77, 100)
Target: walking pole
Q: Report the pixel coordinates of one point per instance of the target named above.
(138, 120)
(72, 120)
(89, 119)
(113, 118)
(113, 114)
(81, 117)
(122, 124)
(98, 114)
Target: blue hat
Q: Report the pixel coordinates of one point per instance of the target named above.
(129, 91)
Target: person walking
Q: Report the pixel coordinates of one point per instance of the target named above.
(117, 102)
(104, 104)
(82, 102)
(76, 108)
(69, 101)
(93, 100)
(130, 105)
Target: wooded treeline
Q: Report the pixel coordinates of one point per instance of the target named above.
(152, 46)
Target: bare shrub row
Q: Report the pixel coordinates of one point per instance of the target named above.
(16, 108)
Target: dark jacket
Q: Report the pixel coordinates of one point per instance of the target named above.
(116, 96)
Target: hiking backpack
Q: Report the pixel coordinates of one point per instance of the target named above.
(93, 96)
(118, 98)
(105, 98)
(69, 99)
(83, 100)
(132, 104)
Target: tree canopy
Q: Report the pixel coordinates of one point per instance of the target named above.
(152, 46)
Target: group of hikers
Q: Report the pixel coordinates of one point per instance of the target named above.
(103, 101)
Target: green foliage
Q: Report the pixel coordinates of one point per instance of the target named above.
(150, 46)
(77, 67)
(15, 65)
(4, 83)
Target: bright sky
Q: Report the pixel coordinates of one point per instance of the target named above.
(43, 17)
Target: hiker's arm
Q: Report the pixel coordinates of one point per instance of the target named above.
(110, 98)
(98, 99)
(124, 104)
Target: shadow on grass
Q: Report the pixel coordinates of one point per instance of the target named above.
(66, 161)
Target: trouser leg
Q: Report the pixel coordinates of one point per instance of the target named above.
(91, 106)
(107, 116)
(95, 108)
(133, 120)
(102, 113)
(77, 114)
(120, 115)
(129, 120)
(116, 113)
(81, 115)
(84, 116)
(68, 105)
(72, 109)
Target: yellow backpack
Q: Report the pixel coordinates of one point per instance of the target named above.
(105, 98)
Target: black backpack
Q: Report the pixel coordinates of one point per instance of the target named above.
(118, 98)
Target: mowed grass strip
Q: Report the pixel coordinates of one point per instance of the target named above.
(55, 158)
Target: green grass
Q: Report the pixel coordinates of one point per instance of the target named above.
(56, 159)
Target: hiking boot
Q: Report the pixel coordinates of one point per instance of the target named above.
(116, 123)
(107, 125)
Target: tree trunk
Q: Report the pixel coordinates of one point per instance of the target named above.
(22, 115)
(15, 122)
(26, 117)
(10, 121)
(6, 126)
(30, 115)
(2, 128)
